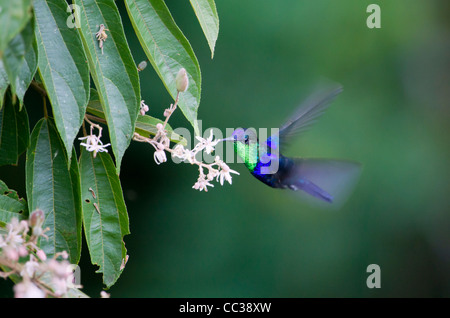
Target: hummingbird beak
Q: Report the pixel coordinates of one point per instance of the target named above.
(231, 138)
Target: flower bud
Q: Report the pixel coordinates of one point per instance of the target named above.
(41, 255)
(37, 218)
(182, 80)
(142, 66)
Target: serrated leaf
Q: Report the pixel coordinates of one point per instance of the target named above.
(50, 188)
(206, 13)
(14, 132)
(168, 51)
(14, 58)
(113, 71)
(14, 15)
(11, 205)
(62, 67)
(145, 124)
(105, 216)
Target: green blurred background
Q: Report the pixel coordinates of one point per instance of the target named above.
(248, 240)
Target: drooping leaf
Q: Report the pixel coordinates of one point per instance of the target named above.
(14, 15)
(113, 71)
(14, 60)
(62, 67)
(49, 187)
(14, 132)
(11, 205)
(26, 72)
(168, 51)
(105, 216)
(206, 13)
(145, 124)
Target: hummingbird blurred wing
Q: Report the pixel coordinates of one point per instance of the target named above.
(307, 113)
(330, 181)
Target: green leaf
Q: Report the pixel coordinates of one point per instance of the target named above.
(23, 129)
(76, 188)
(4, 83)
(168, 51)
(105, 216)
(8, 134)
(11, 205)
(206, 13)
(114, 72)
(145, 124)
(26, 72)
(14, 15)
(14, 132)
(14, 57)
(62, 67)
(49, 184)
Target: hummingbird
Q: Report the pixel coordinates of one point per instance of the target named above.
(326, 180)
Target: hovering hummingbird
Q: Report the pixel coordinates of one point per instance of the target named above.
(324, 179)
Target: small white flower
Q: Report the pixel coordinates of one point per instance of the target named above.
(41, 255)
(212, 174)
(30, 267)
(94, 144)
(104, 294)
(160, 155)
(2, 242)
(27, 289)
(161, 135)
(178, 151)
(12, 242)
(202, 184)
(208, 144)
(190, 156)
(224, 172)
(62, 276)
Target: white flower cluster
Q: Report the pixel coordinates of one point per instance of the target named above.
(41, 277)
(218, 169)
(161, 143)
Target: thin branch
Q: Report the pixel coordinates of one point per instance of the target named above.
(38, 88)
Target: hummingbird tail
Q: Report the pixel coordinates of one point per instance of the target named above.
(313, 190)
(330, 181)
